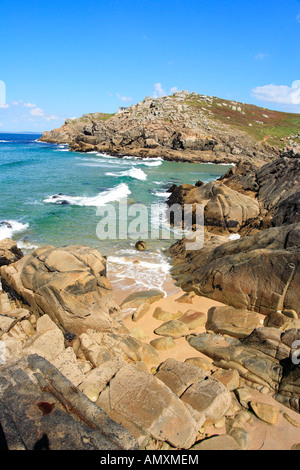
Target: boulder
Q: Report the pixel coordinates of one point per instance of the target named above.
(141, 311)
(279, 189)
(172, 328)
(48, 342)
(186, 298)
(224, 209)
(141, 246)
(231, 321)
(201, 362)
(68, 284)
(193, 319)
(135, 299)
(10, 319)
(41, 410)
(230, 378)
(162, 315)
(207, 399)
(145, 405)
(267, 413)
(264, 357)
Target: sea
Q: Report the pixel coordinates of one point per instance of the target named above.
(52, 196)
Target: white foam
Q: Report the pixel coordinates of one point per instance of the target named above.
(150, 273)
(114, 194)
(156, 163)
(161, 194)
(135, 173)
(221, 164)
(4, 140)
(26, 246)
(234, 236)
(8, 228)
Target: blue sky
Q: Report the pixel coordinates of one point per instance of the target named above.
(61, 59)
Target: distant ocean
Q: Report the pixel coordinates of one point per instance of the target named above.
(32, 172)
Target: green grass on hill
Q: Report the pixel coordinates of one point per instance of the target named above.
(262, 124)
(93, 117)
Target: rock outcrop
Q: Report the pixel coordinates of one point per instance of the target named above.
(68, 284)
(225, 210)
(275, 185)
(248, 198)
(264, 357)
(9, 252)
(259, 272)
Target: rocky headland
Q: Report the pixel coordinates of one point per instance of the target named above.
(183, 127)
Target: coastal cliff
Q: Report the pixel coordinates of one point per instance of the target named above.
(183, 127)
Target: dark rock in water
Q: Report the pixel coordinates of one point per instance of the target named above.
(3, 223)
(61, 202)
(172, 188)
(41, 410)
(141, 246)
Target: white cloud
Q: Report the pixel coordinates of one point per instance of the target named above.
(29, 105)
(158, 91)
(123, 98)
(51, 118)
(261, 56)
(37, 112)
(279, 94)
(15, 103)
(1, 124)
(173, 90)
(4, 106)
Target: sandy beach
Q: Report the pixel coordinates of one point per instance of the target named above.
(263, 436)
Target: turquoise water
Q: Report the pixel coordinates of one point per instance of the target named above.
(31, 173)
